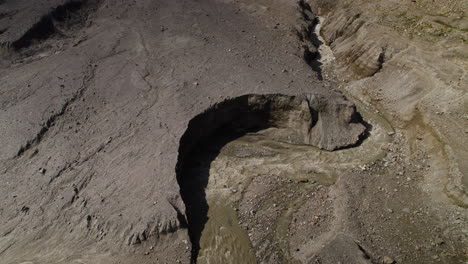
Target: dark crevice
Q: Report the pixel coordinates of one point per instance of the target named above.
(310, 39)
(311, 36)
(312, 58)
(206, 134)
(210, 131)
(193, 178)
(304, 6)
(380, 60)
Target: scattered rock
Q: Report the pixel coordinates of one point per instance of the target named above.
(388, 260)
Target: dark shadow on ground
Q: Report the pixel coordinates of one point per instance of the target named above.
(311, 54)
(204, 138)
(357, 118)
(193, 179)
(208, 132)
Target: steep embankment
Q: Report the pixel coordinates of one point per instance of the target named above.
(409, 59)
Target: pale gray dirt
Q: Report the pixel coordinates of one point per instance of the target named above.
(119, 93)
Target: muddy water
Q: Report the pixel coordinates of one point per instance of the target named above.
(223, 240)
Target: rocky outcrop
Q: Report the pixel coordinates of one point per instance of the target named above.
(338, 124)
(329, 123)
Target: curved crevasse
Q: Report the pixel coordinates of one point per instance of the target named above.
(299, 120)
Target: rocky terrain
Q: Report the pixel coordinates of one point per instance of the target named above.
(411, 64)
(233, 131)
